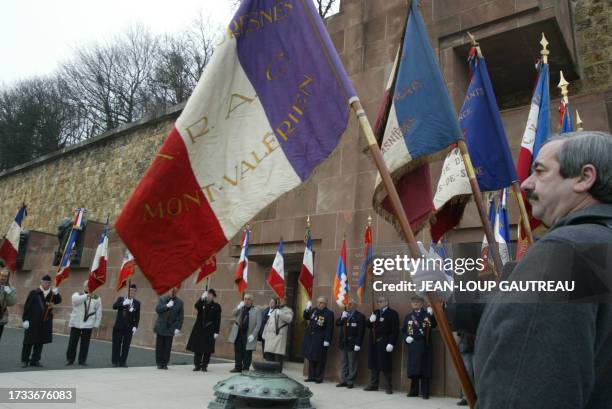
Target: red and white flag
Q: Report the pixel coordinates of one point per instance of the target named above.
(276, 279)
(242, 270)
(10, 243)
(209, 267)
(128, 267)
(269, 108)
(97, 275)
(306, 277)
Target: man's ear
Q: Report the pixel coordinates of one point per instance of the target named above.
(586, 180)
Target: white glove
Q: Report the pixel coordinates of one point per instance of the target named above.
(325, 344)
(373, 317)
(430, 310)
(127, 301)
(357, 348)
(409, 339)
(204, 294)
(215, 336)
(170, 304)
(55, 290)
(389, 348)
(134, 330)
(309, 305)
(344, 314)
(434, 275)
(240, 305)
(26, 324)
(251, 338)
(176, 332)
(7, 289)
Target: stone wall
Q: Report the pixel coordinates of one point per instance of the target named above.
(101, 173)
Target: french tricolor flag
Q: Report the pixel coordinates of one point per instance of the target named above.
(537, 131)
(276, 279)
(128, 267)
(269, 108)
(242, 269)
(97, 275)
(10, 244)
(64, 268)
(306, 277)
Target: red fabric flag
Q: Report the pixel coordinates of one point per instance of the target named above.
(209, 267)
(127, 270)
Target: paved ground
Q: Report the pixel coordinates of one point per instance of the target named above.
(179, 387)
(142, 386)
(54, 354)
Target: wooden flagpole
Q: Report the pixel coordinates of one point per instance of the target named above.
(410, 240)
(369, 271)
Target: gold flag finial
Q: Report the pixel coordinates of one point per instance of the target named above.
(578, 122)
(544, 52)
(308, 221)
(563, 84)
(369, 220)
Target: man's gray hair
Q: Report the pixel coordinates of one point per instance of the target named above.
(587, 147)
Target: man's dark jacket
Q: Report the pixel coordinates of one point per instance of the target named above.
(352, 330)
(550, 349)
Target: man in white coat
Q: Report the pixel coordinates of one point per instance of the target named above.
(86, 314)
(275, 332)
(243, 335)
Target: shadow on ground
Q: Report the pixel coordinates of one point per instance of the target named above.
(54, 354)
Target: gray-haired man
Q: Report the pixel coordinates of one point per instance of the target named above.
(243, 334)
(352, 329)
(554, 349)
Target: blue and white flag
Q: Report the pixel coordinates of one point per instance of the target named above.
(421, 123)
(487, 144)
(64, 268)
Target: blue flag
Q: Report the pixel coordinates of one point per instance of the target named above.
(421, 114)
(484, 132)
(543, 128)
(502, 227)
(421, 124)
(567, 124)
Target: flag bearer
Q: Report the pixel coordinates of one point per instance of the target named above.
(169, 322)
(384, 329)
(352, 329)
(205, 330)
(317, 338)
(126, 325)
(417, 334)
(38, 321)
(86, 314)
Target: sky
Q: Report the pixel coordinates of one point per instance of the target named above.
(37, 35)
